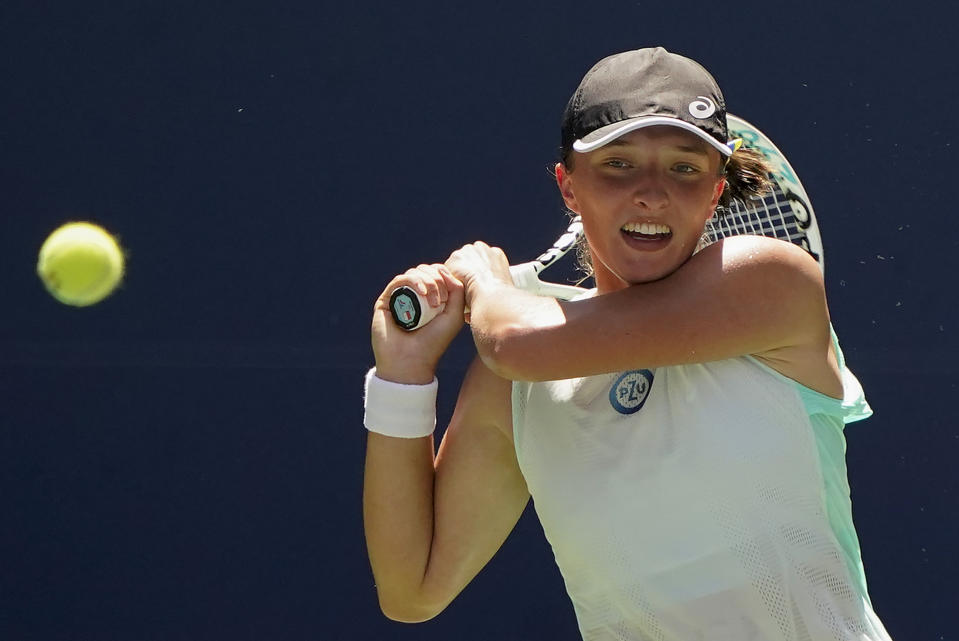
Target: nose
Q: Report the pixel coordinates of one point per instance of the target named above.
(649, 192)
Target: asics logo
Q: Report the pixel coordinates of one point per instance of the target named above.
(702, 108)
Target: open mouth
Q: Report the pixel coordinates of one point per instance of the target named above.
(646, 231)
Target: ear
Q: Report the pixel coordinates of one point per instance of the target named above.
(565, 183)
(720, 187)
(717, 192)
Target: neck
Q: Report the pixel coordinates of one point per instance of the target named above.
(606, 281)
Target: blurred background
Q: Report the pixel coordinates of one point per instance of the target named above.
(184, 460)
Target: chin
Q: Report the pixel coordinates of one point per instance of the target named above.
(622, 279)
(638, 270)
(652, 272)
(650, 277)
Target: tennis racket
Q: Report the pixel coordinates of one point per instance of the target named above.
(784, 212)
(411, 311)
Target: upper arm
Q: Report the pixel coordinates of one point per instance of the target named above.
(479, 490)
(744, 295)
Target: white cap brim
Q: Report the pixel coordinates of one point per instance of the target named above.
(611, 132)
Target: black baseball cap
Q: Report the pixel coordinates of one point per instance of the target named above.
(641, 88)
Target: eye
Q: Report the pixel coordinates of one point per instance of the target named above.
(685, 168)
(616, 163)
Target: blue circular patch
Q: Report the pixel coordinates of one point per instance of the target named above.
(630, 391)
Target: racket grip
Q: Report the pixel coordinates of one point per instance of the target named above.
(410, 310)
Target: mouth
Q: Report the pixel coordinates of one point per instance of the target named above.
(646, 231)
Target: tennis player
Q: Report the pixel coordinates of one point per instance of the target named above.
(679, 428)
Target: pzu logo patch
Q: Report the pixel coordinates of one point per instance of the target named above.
(630, 391)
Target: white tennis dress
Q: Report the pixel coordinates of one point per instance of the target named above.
(698, 502)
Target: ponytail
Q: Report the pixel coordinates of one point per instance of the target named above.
(747, 176)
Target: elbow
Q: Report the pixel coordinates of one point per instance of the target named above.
(406, 615)
(521, 345)
(510, 353)
(408, 607)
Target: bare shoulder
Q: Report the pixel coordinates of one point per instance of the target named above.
(771, 280)
(793, 282)
(765, 273)
(753, 257)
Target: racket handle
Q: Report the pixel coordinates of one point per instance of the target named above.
(410, 310)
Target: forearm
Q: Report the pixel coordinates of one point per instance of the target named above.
(432, 522)
(398, 495)
(398, 519)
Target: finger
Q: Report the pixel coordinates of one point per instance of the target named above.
(455, 288)
(435, 284)
(416, 279)
(422, 279)
(452, 282)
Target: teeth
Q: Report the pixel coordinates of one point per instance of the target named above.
(648, 229)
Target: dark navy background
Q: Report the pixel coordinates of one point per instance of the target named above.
(184, 460)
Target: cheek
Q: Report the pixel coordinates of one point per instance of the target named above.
(598, 239)
(702, 200)
(605, 200)
(589, 229)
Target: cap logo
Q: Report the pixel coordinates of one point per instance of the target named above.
(702, 108)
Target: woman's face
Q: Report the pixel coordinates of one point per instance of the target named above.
(644, 199)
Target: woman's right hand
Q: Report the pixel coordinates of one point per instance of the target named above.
(411, 357)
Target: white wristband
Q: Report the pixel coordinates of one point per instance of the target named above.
(395, 409)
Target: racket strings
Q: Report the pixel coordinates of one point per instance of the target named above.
(773, 215)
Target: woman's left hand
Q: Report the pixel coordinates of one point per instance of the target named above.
(477, 265)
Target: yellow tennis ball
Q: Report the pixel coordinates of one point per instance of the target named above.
(80, 264)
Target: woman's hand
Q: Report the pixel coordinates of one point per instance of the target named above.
(411, 357)
(478, 265)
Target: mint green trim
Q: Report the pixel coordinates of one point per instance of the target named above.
(828, 417)
(852, 407)
(831, 447)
